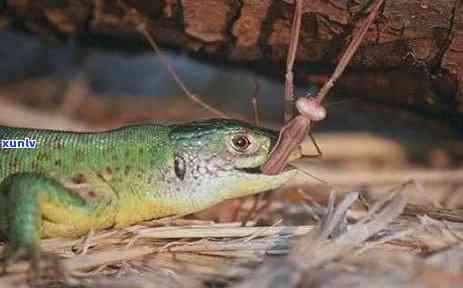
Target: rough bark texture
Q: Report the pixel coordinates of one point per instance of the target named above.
(415, 47)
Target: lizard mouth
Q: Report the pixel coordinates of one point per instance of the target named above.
(252, 170)
(256, 170)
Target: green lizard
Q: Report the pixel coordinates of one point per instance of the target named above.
(73, 182)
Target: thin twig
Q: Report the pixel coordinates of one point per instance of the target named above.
(142, 29)
(453, 215)
(253, 211)
(215, 232)
(352, 177)
(87, 242)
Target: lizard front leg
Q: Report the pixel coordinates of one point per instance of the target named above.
(35, 206)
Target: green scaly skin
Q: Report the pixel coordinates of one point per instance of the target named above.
(76, 182)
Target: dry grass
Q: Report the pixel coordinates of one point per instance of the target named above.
(352, 246)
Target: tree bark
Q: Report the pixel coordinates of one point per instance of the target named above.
(412, 56)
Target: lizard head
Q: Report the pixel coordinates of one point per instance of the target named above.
(221, 158)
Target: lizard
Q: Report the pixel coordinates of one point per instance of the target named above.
(76, 182)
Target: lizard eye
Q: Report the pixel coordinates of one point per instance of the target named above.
(241, 143)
